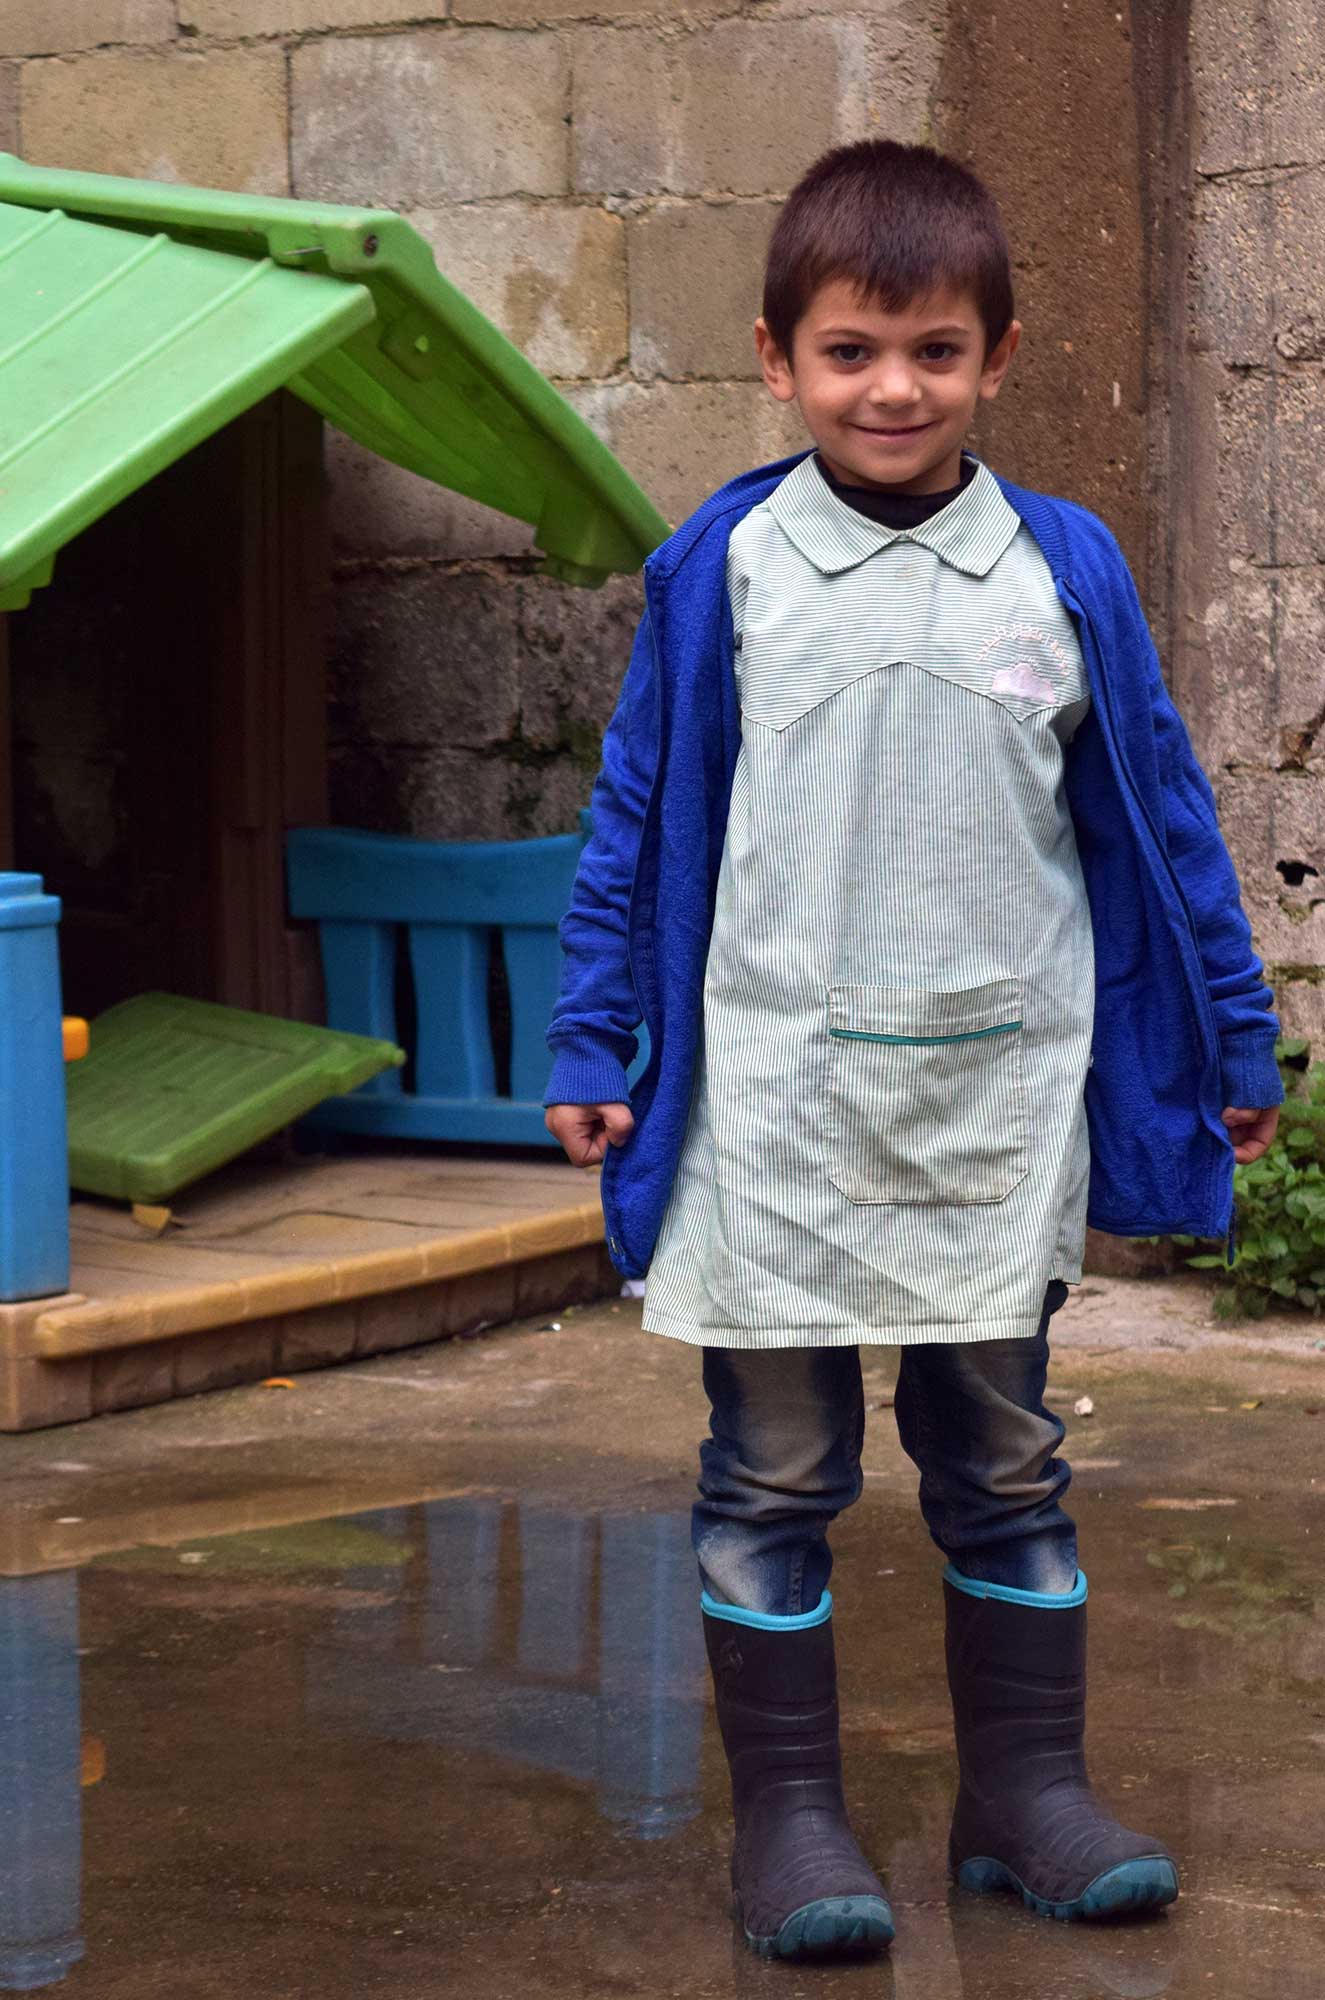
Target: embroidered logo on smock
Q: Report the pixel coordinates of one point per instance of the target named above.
(1042, 678)
(1021, 678)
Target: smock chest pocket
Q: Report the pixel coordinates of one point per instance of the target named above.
(926, 1101)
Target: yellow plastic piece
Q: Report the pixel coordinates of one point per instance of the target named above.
(75, 1038)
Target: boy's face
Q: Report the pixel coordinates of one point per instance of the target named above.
(888, 396)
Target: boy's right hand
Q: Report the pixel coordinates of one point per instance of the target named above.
(586, 1130)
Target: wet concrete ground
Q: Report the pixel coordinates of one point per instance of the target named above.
(392, 1683)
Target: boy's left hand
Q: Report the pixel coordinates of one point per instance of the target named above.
(1251, 1131)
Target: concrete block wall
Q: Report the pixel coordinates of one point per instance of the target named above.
(1248, 659)
(600, 176)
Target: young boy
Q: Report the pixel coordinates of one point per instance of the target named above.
(901, 853)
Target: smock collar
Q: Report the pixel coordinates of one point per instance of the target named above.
(970, 533)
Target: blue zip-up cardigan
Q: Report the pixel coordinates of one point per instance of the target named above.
(1183, 1020)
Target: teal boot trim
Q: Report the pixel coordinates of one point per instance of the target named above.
(1148, 1883)
(1041, 1600)
(769, 1621)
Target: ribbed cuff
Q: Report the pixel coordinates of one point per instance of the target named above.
(592, 1076)
(1250, 1074)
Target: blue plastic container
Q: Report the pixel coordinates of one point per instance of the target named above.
(34, 1151)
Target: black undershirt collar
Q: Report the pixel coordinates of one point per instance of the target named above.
(896, 510)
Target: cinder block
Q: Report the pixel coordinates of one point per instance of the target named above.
(425, 657)
(422, 118)
(901, 22)
(317, 1338)
(394, 1320)
(429, 793)
(128, 1378)
(546, 797)
(681, 440)
(573, 649)
(1275, 817)
(35, 1394)
(9, 75)
(1267, 429)
(741, 107)
(507, 13)
(1286, 929)
(1268, 818)
(552, 277)
(1258, 89)
(483, 1298)
(215, 116)
(31, 29)
(1300, 1005)
(696, 278)
(1257, 260)
(1271, 816)
(1263, 637)
(379, 509)
(291, 17)
(224, 1356)
(567, 1277)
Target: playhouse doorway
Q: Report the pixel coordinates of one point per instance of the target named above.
(167, 697)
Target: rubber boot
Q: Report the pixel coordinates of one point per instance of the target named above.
(800, 1884)
(1026, 1818)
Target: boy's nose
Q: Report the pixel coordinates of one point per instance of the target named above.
(893, 388)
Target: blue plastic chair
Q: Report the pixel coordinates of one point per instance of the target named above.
(362, 889)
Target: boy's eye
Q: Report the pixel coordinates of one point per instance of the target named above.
(849, 352)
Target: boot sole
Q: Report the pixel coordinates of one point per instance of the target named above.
(1128, 1890)
(835, 1926)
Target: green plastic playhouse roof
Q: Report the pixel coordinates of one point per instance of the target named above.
(137, 318)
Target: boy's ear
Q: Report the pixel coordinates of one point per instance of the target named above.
(774, 362)
(998, 361)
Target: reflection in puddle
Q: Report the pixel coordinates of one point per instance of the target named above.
(584, 1657)
(409, 1750)
(40, 1776)
(566, 1643)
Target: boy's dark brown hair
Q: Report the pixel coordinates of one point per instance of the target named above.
(897, 221)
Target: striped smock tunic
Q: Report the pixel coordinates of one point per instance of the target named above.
(887, 1137)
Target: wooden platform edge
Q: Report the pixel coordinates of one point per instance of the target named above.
(370, 1314)
(64, 1331)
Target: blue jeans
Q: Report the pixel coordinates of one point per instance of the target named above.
(783, 1460)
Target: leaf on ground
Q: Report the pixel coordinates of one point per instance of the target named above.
(150, 1217)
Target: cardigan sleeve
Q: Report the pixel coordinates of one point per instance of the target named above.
(1243, 1003)
(592, 1032)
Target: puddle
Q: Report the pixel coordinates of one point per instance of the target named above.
(462, 1747)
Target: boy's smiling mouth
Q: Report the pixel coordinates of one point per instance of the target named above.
(902, 430)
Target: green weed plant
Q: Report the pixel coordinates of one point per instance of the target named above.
(1280, 1249)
